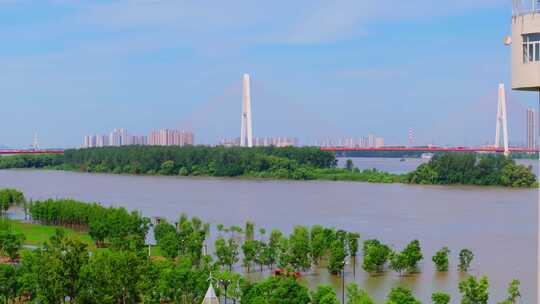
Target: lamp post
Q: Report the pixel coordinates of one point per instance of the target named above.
(345, 263)
(343, 285)
(225, 283)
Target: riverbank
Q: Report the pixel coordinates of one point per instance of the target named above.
(484, 219)
(277, 164)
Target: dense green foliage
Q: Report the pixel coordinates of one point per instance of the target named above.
(336, 260)
(63, 268)
(408, 259)
(376, 255)
(474, 291)
(367, 175)
(271, 162)
(31, 161)
(324, 294)
(400, 295)
(440, 298)
(274, 290)
(187, 240)
(114, 225)
(356, 295)
(513, 293)
(10, 241)
(441, 259)
(467, 169)
(465, 259)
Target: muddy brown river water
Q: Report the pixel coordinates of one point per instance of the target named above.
(497, 224)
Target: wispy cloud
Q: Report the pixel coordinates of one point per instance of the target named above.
(328, 21)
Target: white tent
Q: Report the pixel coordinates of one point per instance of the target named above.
(210, 297)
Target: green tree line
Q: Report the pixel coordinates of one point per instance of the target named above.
(31, 161)
(304, 163)
(288, 162)
(114, 225)
(467, 169)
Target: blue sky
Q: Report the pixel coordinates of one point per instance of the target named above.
(339, 68)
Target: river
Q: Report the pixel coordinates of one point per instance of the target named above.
(497, 224)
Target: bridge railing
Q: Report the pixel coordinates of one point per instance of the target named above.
(523, 7)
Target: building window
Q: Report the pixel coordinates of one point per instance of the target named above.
(531, 48)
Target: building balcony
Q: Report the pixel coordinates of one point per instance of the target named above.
(525, 7)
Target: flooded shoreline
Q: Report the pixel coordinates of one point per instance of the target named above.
(497, 224)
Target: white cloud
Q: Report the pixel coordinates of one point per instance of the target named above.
(328, 21)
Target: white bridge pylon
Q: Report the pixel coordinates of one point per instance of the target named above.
(502, 121)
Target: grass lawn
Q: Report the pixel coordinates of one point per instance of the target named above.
(37, 234)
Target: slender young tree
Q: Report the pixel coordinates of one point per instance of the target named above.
(465, 258)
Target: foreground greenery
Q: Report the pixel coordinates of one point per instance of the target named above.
(276, 163)
(67, 269)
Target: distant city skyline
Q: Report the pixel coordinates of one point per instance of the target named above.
(73, 67)
(262, 142)
(121, 137)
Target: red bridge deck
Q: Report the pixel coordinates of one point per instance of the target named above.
(9, 151)
(433, 149)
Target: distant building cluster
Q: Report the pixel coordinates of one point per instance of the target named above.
(170, 137)
(121, 137)
(370, 141)
(262, 142)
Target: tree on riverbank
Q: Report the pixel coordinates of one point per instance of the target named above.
(31, 161)
(440, 298)
(277, 289)
(474, 291)
(376, 255)
(355, 295)
(441, 259)
(324, 294)
(10, 241)
(299, 248)
(400, 295)
(336, 260)
(226, 252)
(468, 169)
(513, 293)
(287, 162)
(8, 198)
(465, 259)
(113, 225)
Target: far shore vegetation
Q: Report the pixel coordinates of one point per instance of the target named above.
(306, 163)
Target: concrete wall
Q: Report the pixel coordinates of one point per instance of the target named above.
(525, 76)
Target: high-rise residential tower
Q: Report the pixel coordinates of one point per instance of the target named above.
(246, 131)
(531, 129)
